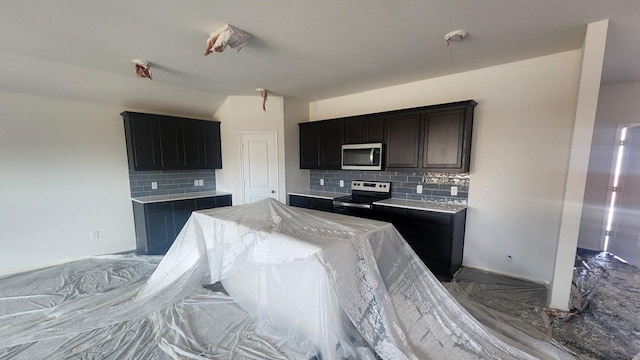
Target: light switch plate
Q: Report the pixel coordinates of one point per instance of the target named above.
(154, 185)
(201, 182)
(341, 183)
(454, 191)
(195, 182)
(321, 182)
(419, 189)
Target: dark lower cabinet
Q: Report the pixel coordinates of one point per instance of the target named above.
(313, 203)
(159, 227)
(397, 216)
(158, 224)
(437, 238)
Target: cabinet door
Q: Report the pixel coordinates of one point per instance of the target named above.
(403, 140)
(224, 200)
(143, 143)
(205, 203)
(193, 135)
(397, 216)
(331, 139)
(309, 145)
(321, 204)
(181, 212)
(443, 133)
(299, 201)
(431, 239)
(373, 129)
(160, 227)
(353, 130)
(171, 143)
(212, 145)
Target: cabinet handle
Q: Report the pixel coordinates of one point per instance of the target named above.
(273, 191)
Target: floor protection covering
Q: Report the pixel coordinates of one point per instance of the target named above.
(367, 293)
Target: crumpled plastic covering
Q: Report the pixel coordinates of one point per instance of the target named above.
(509, 307)
(377, 296)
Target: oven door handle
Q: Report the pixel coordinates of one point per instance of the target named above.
(346, 204)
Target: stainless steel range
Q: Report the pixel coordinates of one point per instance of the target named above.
(363, 194)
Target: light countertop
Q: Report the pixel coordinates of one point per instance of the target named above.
(318, 194)
(422, 205)
(173, 197)
(407, 204)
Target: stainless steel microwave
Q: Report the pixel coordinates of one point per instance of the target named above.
(362, 156)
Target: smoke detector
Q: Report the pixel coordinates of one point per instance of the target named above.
(456, 35)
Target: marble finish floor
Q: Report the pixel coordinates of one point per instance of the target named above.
(604, 321)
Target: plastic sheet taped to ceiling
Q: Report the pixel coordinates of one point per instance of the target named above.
(362, 290)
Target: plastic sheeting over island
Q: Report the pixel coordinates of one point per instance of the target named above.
(303, 285)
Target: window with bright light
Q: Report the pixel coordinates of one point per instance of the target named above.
(614, 191)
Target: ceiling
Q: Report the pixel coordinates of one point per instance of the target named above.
(82, 50)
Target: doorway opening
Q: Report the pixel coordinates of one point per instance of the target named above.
(621, 232)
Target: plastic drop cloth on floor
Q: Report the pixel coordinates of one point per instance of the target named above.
(351, 287)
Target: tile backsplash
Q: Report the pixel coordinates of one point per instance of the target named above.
(170, 181)
(436, 186)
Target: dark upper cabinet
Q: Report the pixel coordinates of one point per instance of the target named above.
(321, 144)
(331, 140)
(309, 145)
(433, 138)
(403, 140)
(212, 145)
(364, 129)
(353, 130)
(429, 138)
(171, 144)
(446, 138)
(144, 152)
(193, 134)
(157, 142)
(373, 129)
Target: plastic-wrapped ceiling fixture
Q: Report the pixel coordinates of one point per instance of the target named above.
(227, 35)
(303, 284)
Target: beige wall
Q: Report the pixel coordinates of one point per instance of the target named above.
(587, 103)
(64, 174)
(520, 152)
(295, 112)
(244, 114)
(618, 104)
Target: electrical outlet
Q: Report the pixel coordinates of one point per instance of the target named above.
(321, 182)
(341, 183)
(454, 191)
(200, 182)
(419, 189)
(487, 193)
(94, 235)
(195, 182)
(154, 185)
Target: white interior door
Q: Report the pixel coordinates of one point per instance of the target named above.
(259, 166)
(625, 237)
